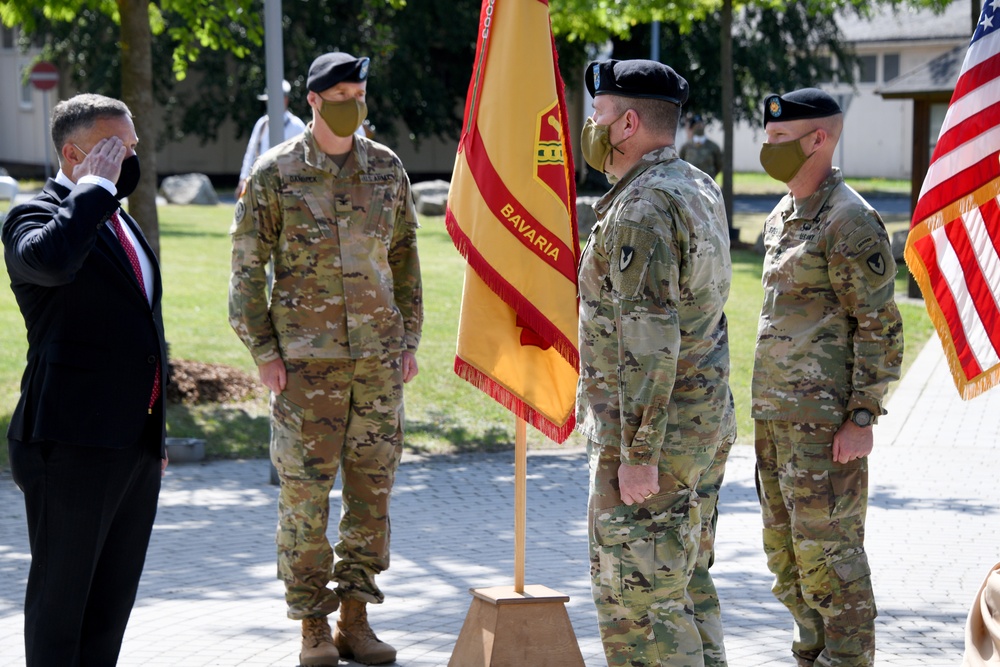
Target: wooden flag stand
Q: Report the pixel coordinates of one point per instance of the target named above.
(514, 626)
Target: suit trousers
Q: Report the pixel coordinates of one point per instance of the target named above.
(90, 514)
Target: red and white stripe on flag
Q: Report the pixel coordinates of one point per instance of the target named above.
(953, 248)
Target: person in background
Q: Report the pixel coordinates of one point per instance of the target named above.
(260, 137)
(700, 151)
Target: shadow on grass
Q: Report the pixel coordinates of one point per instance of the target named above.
(179, 233)
(242, 431)
(442, 437)
(230, 430)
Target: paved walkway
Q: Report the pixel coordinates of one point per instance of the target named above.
(209, 597)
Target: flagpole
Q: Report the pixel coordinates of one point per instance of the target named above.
(520, 500)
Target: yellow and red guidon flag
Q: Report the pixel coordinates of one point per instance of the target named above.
(953, 248)
(512, 214)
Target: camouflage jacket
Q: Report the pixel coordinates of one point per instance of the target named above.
(654, 347)
(830, 338)
(707, 156)
(343, 241)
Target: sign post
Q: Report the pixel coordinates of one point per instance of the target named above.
(44, 76)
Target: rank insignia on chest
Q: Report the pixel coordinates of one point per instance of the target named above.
(342, 203)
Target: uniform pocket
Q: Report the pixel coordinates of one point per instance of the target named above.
(645, 551)
(286, 436)
(378, 220)
(851, 588)
(850, 490)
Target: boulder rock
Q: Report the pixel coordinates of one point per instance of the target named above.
(189, 189)
(899, 244)
(585, 215)
(431, 197)
(9, 188)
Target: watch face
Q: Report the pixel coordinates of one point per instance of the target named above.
(862, 417)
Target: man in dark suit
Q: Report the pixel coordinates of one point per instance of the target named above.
(87, 436)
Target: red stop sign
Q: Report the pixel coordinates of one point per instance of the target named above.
(44, 75)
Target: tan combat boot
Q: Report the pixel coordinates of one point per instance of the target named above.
(317, 644)
(354, 638)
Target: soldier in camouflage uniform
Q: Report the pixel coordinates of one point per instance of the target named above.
(829, 342)
(335, 343)
(701, 151)
(653, 398)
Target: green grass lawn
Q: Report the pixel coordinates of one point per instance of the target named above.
(444, 413)
(759, 183)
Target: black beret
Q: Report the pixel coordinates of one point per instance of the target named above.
(799, 104)
(330, 69)
(636, 78)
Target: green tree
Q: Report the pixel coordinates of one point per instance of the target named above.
(421, 52)
(787, 49)
(195, 25)
(421, 55)
(786, 24)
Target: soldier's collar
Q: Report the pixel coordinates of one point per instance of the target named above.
(655, 156)
(809, 208)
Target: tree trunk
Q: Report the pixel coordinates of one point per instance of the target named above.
(137, 93)
(726, 57)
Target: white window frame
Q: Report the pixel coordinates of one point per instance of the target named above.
(26, 92)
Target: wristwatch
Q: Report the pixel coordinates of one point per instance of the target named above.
(862, 417)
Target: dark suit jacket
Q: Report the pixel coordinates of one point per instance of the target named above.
(93, 339)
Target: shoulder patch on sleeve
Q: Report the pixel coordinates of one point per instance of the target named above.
(870, 252)
(239, 214)
(631, 251)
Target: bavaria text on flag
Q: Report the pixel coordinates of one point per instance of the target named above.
(512, 214)
(953, 248)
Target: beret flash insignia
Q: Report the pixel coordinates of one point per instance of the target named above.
(774, 106)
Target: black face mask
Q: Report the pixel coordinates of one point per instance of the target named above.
(128, 178)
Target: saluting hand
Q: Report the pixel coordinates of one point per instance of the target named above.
(104, 160)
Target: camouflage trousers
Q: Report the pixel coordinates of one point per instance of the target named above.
(649, 563)
(814, 526)
(344, 415)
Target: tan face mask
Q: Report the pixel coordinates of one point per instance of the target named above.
(595, 142)
(343, 118)
(782, 161)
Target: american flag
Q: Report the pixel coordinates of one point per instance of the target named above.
(953, 248)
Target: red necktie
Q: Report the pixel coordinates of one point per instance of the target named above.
(133, 259)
